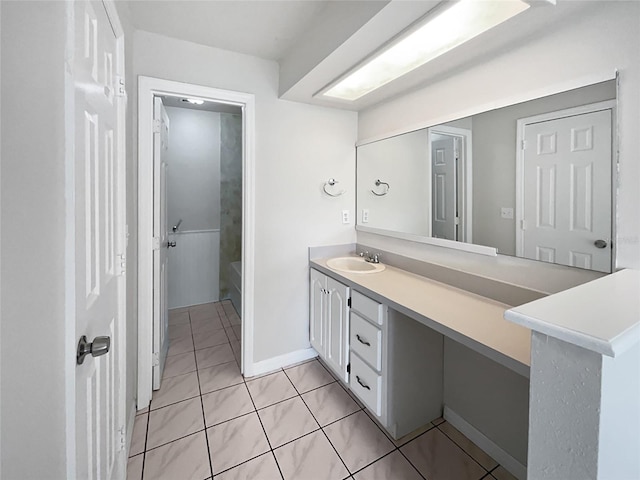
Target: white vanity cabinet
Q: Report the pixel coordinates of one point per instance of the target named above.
(396, 366)
(329, 322)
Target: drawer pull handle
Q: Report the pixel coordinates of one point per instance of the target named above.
(363, 385)
(364, 342)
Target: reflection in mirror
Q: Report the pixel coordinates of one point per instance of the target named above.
(532, 179)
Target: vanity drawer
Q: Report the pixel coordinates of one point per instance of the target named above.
(366, 341)
(366, 384)
(367, 307)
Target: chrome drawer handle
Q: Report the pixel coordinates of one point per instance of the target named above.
(362, 341)
(363, 385)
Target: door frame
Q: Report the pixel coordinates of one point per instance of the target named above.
(556, 115)
(71, 339)
(464, 180)
(148, 87)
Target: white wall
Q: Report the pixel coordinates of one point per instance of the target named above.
(401, 161)
(32, 173)
(193, 177)
(193, 196)
(586, 50)
(298, 147)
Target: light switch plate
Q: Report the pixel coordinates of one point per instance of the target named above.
(365, 215)
(345, 216)
(506, 212)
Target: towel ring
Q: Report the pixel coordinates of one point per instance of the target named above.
(378, 183)
(331, 183)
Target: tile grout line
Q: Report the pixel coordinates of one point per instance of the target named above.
(204, 419)
(263, 429)
(467, 453)
(321, 429)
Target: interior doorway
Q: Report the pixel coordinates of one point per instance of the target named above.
(200, 217)
(450, 162)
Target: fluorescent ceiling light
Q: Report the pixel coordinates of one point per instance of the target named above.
(194, 101)
(454, 26)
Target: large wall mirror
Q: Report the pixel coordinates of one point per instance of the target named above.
(534, 179)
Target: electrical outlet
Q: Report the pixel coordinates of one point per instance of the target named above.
(365, 215)
(345, 216)
(506, 212)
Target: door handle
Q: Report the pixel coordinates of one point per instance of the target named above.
(171, 244)
(600, 243)
(364, 342)
(364, 385)
(99, 346)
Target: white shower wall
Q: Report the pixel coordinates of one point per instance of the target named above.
(193, 196)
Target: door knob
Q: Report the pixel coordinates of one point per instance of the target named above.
(600, 243)
(171, 244)
(99, 346)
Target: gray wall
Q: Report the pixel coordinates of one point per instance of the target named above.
(494, 161)
(193, 179)
(230, 196)
(492, 398)
(33, 353)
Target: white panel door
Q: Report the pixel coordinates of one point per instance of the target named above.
(444, 197)
(567, 191)
(99, 239)
(337, 330)
(160, 255)
(317, 304)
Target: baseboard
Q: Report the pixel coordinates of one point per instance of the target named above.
(514, 467)
(271, 364)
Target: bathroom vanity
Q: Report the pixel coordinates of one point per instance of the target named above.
(383, 334)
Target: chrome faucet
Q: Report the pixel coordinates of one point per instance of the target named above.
(375, 258)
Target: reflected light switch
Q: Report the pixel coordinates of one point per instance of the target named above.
(506, 212)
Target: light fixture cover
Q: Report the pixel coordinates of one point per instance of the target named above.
(442, 32)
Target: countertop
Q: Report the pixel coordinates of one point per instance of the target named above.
(602, 316)
(471, 319)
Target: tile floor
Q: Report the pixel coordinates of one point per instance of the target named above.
(299, 423)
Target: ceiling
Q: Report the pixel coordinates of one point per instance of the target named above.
(316, 42)
(265, 29)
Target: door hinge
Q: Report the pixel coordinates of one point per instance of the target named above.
(523, 145)
(120, 87)
(156, 126)
(156, 360)
(457, 221)
(349, 368)
(349, 302)
(123, 437)
(123, 263)
(155, 243)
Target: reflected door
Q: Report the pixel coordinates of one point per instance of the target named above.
(567, 191)
(444, 197)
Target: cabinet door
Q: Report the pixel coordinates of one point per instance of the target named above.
(317, 313)
(337, 343)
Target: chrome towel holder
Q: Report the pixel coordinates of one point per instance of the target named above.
(379, 182)
(331, 183)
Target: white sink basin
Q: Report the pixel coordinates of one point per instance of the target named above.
(354, 265)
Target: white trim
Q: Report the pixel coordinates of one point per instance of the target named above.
(545, 117)
(187, 232)
(440, 242)
(514, 467)
(281, 361)
(149, 87)
(466, 135)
